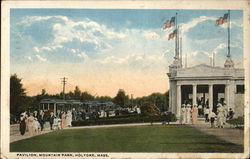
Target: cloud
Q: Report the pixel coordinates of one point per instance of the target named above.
(199, 53)
(232, 24)
(187, 26)
(29, 58)
(67, 30)
(36, 49)
(41, 58)
(88, 39)
(85, 31)
(73, 50)
(219, 47)
(134, 58)
(28, 20)
(47, 48)
(152, 35)
(82, 55)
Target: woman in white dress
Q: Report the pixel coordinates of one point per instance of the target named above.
(69, 118)
(188, 114)
(55, 124)
(220, 115)
(183, 114)
(30, 124)
(36, 126)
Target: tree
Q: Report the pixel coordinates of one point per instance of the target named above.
(17, 96)
(69, 95)
(167, 99)
(148, 108)
(159, 99)
(43, 92)
(33, 102)
(104, 98)
(121, 98)
(77, 93)
(85, 96)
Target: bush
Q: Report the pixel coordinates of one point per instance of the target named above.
(121, 120)
(170, 117)
(236, 122)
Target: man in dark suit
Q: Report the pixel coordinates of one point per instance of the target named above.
(41, 119)
(51, 120)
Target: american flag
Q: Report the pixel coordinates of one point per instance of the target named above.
(169, 24)
(222, 20)
(172, 35)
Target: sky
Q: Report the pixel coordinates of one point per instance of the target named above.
(103, 50)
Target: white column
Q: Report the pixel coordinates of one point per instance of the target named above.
(232, 91)
(170, 97)
(55, 108)
(227, 91)
(178, 101)
(48, 106)
(194, 94)
(210, 99)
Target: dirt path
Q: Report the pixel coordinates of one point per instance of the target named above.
(228, 134)
(16, 136)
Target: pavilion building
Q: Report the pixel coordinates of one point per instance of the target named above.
(207, 86)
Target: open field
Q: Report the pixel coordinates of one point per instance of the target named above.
(170, 138)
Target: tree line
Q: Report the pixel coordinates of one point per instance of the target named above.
(20, 101)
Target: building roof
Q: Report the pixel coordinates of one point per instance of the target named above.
(60, 101)
(204, 71)
(78, 102)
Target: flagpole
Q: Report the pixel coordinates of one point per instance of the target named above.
(176, 38)
(228, 31)
(178, 42)
(181, 50)
(186, 60)
(213, 59)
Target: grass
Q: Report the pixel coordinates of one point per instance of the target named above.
(126, 139)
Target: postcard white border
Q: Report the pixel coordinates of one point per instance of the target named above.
(167, 4)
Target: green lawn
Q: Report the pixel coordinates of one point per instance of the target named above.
(126, 139)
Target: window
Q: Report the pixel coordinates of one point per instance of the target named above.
(45, 106)
(240, 89)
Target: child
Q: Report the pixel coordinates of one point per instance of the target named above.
(212, 118)
(206, 114)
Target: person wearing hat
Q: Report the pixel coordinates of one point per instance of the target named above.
(212, 116)
(22, 126)
(220, 115)
(200, 110)
(188, 114)
(183, 114)
(194, 113)
(206, 112)
(30, 120)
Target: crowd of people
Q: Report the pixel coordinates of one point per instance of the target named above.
(189, 114)
(34, 122)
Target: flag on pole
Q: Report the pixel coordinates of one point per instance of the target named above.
(222, 20)
(169, 24)
(172, 35)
